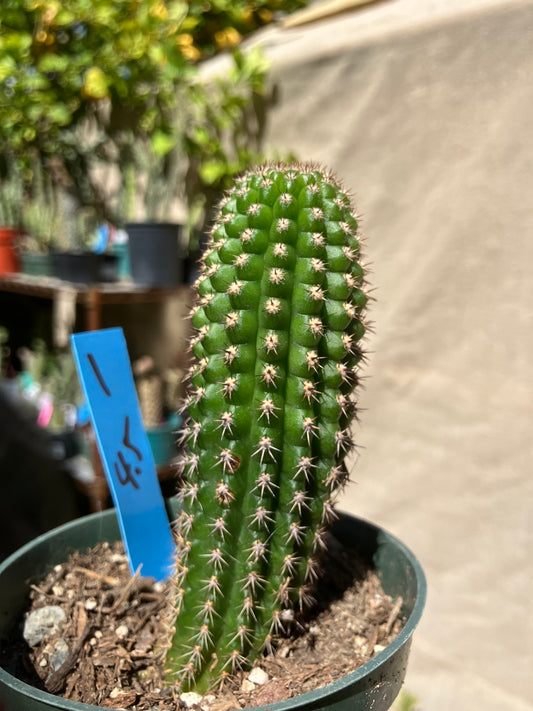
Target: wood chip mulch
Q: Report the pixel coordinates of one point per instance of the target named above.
(114, 626)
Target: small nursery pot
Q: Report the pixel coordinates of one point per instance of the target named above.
(373, 686)
(77, 267)
(35, 263)
(155, 257)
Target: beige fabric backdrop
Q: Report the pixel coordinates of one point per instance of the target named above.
(426, 111)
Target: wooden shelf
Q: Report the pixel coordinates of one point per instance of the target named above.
(92, 296)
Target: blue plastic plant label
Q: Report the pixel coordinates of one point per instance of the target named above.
(107, 381)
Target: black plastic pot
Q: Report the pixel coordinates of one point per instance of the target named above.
(108, 268)
(155, 256)
(77, 267)
(373, 687)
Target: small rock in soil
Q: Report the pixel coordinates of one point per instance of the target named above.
(43, 623)
(258, 676)
(60, 653)
(190, 699)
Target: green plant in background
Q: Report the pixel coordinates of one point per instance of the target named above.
(43, 222)
(278, 320)
(97, 91)
(405, 702)
(217, 135)
(11, 194)
(74, 75)
(224, 133)
(52, 376)
(62, 383)
(222, 24)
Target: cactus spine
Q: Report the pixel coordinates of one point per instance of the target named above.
(278, 319)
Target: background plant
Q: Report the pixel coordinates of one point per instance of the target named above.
(89, 85)
(52, 375)
(42, 219)
(11, 195)
(405, 702)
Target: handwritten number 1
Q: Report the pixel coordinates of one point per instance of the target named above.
(97, 372)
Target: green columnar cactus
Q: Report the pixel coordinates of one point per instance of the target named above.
(278, 320)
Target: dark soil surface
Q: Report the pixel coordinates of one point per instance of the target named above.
(114, 625)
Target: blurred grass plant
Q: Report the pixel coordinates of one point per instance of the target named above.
(11, 195)
(42, 219)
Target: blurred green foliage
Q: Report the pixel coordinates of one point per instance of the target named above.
(405, 702)
(87, 85)
(11, 196)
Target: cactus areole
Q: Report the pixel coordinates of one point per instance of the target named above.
(278, 319)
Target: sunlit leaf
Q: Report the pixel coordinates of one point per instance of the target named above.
(95, 84)
(53, 63)
(59, 114)
(162, 143)
(212, 171)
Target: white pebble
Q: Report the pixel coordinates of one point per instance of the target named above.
(284, 652)
(90, 603)
(287, 615)
(118, 558)
(258, 676)
(122, 631)
(190, 698)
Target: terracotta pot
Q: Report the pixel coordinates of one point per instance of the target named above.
(373, 687)
(8, 254)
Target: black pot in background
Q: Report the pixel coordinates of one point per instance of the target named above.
(77, 267)
(109, 268)
(156, 258)
(85, 267)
